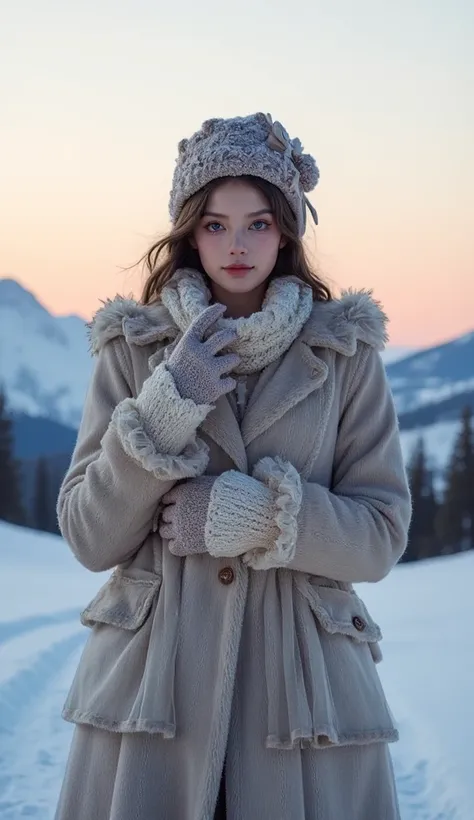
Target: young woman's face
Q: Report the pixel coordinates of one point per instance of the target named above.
(237, 237)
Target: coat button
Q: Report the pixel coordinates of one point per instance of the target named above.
(358, 623)
(226, 575)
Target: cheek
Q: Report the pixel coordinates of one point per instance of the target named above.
(205, 243)
(267, 242)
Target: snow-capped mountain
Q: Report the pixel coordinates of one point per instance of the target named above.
(430, 388)
(45, 364)
(433, 376)
(395, 353)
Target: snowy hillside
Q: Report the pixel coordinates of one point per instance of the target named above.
(425, 612)
(434, 375)
(395, 353)
(44, 360)
(430, 388)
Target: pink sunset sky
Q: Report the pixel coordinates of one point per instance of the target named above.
(96, 95)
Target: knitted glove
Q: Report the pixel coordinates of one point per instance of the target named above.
(255, 516)
(196, 368)
(236, 514)
(184, 516)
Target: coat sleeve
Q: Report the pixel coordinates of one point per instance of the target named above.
(129, 452)
(357, 529)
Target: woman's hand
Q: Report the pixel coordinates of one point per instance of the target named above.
(183, 519)
(184, 516)
(198, 371)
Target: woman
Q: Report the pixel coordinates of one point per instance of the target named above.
(239, 464)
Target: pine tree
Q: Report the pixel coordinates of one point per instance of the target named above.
(42, 502)
(456, 518)
(422, 542)
(433, 546)
(11, 507)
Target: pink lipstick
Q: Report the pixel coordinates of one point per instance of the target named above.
(238, 270)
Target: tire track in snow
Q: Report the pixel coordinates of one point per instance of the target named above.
(34, 758)
(29, 662)
(12, 629)
(36, 668)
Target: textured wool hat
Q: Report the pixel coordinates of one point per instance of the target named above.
(253, 146)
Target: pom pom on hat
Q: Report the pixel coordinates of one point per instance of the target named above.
(308, 171)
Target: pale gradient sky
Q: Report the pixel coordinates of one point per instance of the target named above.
(96, 95)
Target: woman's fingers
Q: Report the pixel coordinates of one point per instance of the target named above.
(207, 318)
(228, 363)
(228, 385)
(167, 531)
(168, 514)
(220, 339)
(171, 496)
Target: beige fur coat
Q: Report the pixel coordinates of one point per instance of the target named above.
(272, 664)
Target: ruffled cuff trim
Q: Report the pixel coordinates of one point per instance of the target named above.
(169, 420)
(136, 442)
(284, 481)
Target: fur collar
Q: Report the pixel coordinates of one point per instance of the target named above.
(341, 323)
(139, 324)
(338, 324)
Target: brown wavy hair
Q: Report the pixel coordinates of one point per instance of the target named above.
(174, 250)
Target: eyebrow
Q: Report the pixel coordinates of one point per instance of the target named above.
(224, 216)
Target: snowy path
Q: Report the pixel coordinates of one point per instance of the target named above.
(38, 658)
(10, 629)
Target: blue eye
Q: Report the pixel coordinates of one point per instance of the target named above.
(212, 226)
(262, 224)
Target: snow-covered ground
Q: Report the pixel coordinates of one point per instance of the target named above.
(426, 613)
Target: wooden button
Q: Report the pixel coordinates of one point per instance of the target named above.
(226, 575)
(358, 623)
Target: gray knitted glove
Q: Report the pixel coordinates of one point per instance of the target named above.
(184, 517)
(196, 368)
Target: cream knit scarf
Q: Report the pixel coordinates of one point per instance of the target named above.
(262, 337)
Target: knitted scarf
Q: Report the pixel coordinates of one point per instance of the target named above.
(262, 337)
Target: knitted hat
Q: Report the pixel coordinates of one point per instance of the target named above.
(254, 146)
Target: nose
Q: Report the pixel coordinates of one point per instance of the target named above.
(237, 244)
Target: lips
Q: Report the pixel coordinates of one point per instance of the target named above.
(238, 270)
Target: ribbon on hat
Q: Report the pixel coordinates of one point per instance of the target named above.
(279, 140)
(311, 209)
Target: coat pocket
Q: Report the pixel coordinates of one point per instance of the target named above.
(329, 693)
(124, 601)
(125, 678)
(342, 612)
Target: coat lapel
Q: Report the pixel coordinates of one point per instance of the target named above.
(281, 387)
(222, 426)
